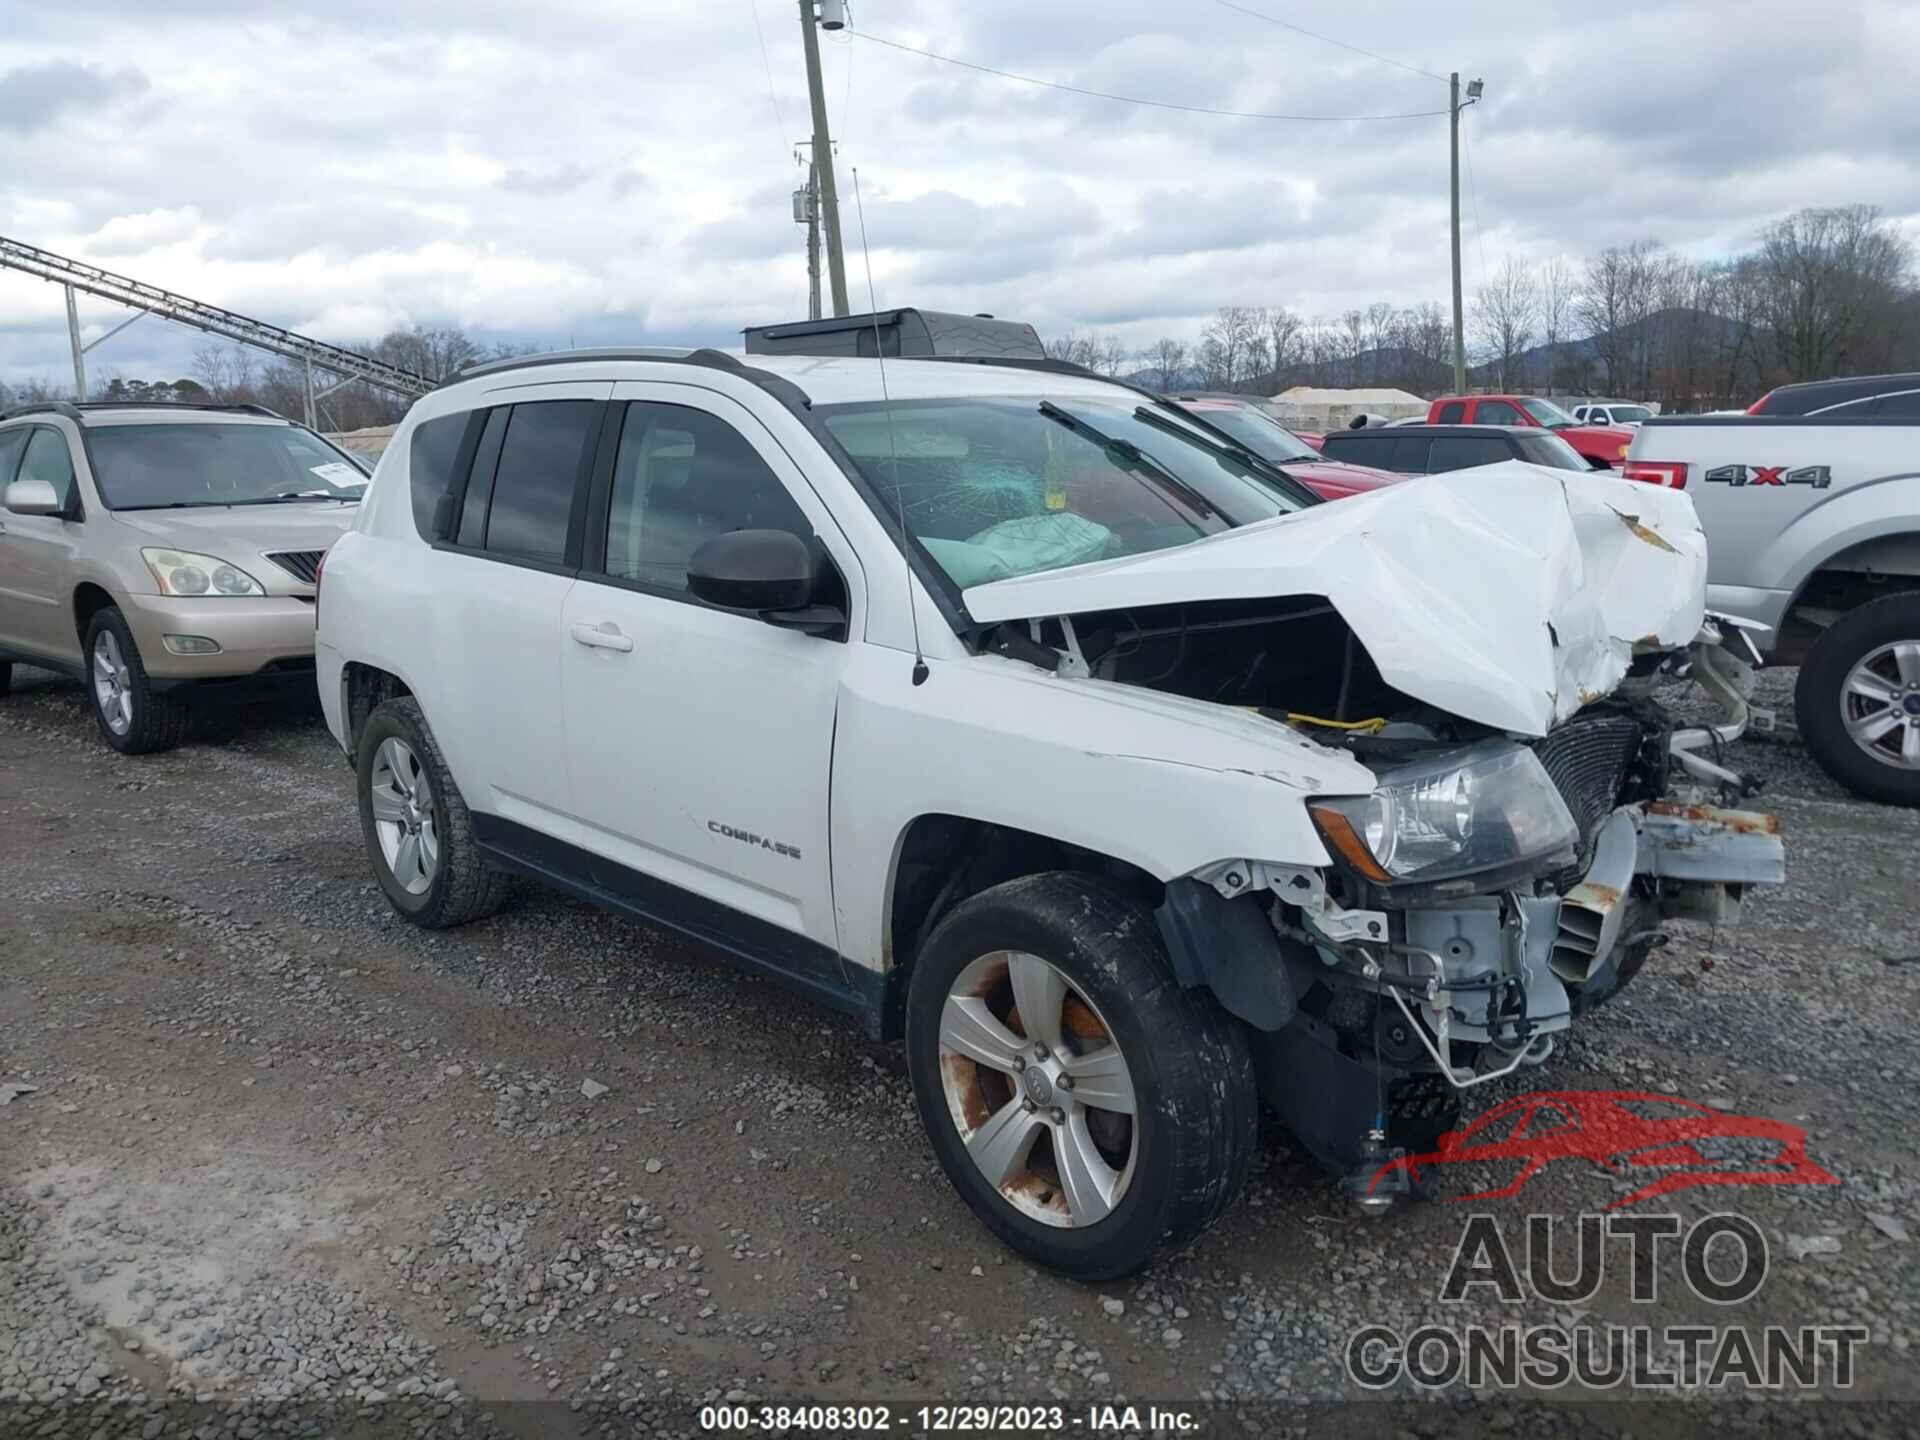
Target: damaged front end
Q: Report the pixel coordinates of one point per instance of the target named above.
(1488, 646)
(1480, 901)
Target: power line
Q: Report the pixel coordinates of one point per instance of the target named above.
(772, 93)
(1473, 192)
(1134, 99)
(1327, 39)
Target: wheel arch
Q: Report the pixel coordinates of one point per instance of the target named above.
(1853, 572)
(940, 859)
(89, 599)
(363, 689)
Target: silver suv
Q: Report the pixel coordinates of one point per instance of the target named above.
(156, 552)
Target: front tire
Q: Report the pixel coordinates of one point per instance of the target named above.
(1088, 1108)
(134, 718)
(1858, 700)
(418, 831)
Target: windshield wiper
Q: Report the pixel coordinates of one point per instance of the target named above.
(1136, 459)
(1225, 445)
(287, 497)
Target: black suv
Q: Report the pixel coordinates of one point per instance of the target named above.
(1879, 396)
(1430, 449)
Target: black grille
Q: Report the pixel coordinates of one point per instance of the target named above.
(1588, 760)
(303, 565)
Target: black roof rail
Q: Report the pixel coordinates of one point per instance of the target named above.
(86, 407)
(1047, 365)
(570, 357)
(42, 407)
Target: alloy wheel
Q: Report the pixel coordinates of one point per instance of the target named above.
(1038, 1088)
(1880, 704)
(403, 815)
(112, 684)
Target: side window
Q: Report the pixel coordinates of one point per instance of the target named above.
(1452, 413)
(1460, 452)
(12, 442)
(683, 476)
(1905, 406)
(1497, 412)
(431, 459)
(47, 458)
(1358, 449)
(1409, 454)
(486, 460)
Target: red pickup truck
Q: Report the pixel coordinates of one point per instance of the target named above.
(1603, 447)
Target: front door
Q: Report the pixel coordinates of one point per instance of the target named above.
(36, 613)
(700, 739)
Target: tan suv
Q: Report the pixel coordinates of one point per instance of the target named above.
(162, 552)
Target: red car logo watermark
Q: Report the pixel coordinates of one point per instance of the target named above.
(1678, 1144)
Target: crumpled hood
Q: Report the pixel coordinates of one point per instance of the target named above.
(1509, 594)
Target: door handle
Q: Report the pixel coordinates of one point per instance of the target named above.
(602, 637)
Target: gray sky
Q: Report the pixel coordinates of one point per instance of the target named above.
(619, 171)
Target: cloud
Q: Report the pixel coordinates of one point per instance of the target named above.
(33, 96)
(570, 171)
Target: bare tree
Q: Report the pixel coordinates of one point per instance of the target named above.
(1283, 337)
(1169, 358)
(1556, 284)
(1230, 340)
(1505, 311)
(1823, 270)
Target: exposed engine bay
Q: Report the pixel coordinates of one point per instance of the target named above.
(1384, 993)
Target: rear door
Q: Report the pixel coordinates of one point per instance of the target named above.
(701, 739)
(498, 596)
(36, 554)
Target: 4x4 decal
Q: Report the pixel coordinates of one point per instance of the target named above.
(1818, 476)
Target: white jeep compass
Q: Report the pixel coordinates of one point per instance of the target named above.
(1036, 722)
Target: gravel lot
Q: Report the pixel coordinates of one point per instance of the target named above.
(292, 1165)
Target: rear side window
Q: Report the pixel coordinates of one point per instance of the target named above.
(1496, 412)
(1904, 407)
(1461, 452)
(1452, 413)
(47, 458)
(431, 460)
(12, 442)
(544, 458)
(1358, 449)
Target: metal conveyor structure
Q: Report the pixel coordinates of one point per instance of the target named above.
(345, 366)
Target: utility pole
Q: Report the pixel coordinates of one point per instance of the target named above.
(1454, 107)
(823, 160)
(79, 350)
(806, 211)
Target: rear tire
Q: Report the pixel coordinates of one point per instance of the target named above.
(1165, 1169)
(418, 831)
(134, 718)
(1862, 675)
(6, 676)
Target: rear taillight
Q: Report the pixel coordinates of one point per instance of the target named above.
(1759, 407)
(1670, 473)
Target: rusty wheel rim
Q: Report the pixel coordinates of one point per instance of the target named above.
(1038, 1089)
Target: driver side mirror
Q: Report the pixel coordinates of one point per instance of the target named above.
(33, 497)
(768, 572)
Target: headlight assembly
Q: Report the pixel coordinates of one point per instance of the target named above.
(1489, 807)
(182, 572)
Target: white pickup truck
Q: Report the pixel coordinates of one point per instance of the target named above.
(1813, 528)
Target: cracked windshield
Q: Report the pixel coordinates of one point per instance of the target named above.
(998, 487)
